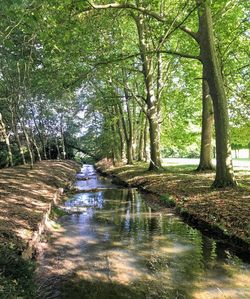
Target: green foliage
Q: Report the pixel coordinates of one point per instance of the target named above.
(56, 212)
(65, 65)
(16, 274)
(240, 136)
(168, 200)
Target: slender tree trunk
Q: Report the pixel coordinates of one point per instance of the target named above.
(44, 148)
(15, 130)
(63, 143)
(115, 148)
(49, 149)
(130, 130)
(36, 147)
(7, 141)
(121, 135)
(141, 139)
(134, 130)
(122, 142)
(224, 168)
(151, 99)
(128, 137)
(40, 134)
(145, 154)
(207, 129)
(58, 150)
(28, 144)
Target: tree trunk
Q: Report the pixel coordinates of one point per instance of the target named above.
(128, 136)
(28, 145)
(44, 148)
(121, 135)
(130, 130)
(33, 140)
(63, 143)
(15, 130)
(7, 141)
(154, 137)
(122, 142)
(58, 150)
(129, 152)
(151, 99)
(224, 168)
(40, 134)
(207, 129)
(145, 154)
(141, 139)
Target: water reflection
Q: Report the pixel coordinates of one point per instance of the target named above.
(119, 248)
(88, 179)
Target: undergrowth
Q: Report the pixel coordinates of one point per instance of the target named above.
(16, 274)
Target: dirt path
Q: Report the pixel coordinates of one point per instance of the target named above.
(26, 196)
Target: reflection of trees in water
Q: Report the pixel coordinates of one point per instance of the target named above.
(171, 251)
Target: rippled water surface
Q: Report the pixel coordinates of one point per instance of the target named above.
(113, 245)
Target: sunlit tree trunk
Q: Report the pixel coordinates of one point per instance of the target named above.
(151, 99)
(62, 140)
(130, 130)
(224, 168)
(145, 154)
(207, 129)
(141, 138)
(7, 141)
(121, 134)
(127, 133)
(122, 141)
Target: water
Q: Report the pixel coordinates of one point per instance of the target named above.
(115, 246)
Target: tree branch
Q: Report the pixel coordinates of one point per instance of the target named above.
(147, 12)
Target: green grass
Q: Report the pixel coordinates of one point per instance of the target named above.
(168, 200)
(16, 274)
(180, 168)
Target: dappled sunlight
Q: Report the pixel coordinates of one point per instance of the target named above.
(236, 286)
(25, 195)
(118, 244)
(193, 193)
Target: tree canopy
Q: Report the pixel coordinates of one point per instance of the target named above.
(124, 80)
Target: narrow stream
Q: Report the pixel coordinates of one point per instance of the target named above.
(112, 245)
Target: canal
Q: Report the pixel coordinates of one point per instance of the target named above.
(111, 244)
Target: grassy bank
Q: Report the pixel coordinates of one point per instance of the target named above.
(25, 199)
(225, 213)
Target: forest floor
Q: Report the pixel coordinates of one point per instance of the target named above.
(26, 195)
(225, 212)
